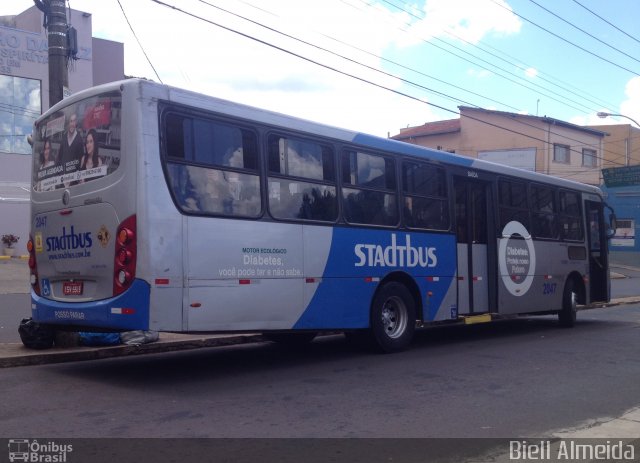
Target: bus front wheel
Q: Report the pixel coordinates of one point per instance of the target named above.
(568, 313)
(393, 318)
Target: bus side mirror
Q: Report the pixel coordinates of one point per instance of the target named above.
(611, 230)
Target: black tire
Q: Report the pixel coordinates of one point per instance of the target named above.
(393, 318)
(291, 339)
(568, 313)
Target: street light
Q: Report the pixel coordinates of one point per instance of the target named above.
(603, 115)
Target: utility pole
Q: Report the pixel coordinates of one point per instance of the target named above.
(55, 21)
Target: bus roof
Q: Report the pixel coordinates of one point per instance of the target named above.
(174, 94)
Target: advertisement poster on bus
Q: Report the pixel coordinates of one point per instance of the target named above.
(77, 144)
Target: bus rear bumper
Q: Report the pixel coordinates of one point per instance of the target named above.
(127, 311)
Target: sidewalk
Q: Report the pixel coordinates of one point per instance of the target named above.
(16, 355)
(14, 275)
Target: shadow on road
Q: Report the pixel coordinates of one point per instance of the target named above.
(329, 353)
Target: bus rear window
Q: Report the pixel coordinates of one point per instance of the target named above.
(77, 144)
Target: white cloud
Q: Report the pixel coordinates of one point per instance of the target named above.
(631, 106)
(591, 119)
(479, 74)
(531, 72)
(206, 58)
(470, 20)
(190, 53)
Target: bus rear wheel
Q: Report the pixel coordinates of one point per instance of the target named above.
(393, 318)
(568, 313)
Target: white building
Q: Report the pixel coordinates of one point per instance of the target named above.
(24, 95)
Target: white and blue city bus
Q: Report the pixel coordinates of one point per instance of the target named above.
(187, 213)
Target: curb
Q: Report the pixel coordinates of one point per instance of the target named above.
(16, 355)
(615, 302)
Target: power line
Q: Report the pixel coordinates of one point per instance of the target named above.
(492, 65)
(394, 63)
(361, 79)
(21, 110)
(511, 63)
(139, 43)
(357, 62)
(583, 31)
(351, 60)
(517, 120)
(516, 63)
(608, 22)
(565, 40)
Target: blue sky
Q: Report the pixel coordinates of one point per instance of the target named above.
(418, 57)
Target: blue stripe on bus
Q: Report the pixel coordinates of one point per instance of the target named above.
(359, 255)
(99, 314)
(410, 149)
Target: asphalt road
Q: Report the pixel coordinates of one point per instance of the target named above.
(506, 379)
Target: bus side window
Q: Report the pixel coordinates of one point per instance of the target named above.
(369, 195)
(213, 166)
(176, 129)
(544, 212)
(301, 179)
(570, 216)
(214, 191)
(425, 196)
(513, 203)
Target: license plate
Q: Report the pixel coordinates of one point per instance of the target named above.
(72, 288)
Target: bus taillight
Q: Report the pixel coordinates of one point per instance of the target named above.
(124, 268)
(33, 267)
(125, 235)
(124, 256)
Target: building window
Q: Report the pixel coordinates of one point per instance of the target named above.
(19, 107)
(589, 158)
(561, 153)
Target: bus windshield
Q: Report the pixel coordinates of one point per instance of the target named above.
(78, 143)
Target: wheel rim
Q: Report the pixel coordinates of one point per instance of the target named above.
(394, 317)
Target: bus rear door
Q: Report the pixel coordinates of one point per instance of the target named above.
(599, 290)
(472, 217)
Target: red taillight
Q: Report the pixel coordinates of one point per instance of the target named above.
(125, 235)
(124, 267)
(33, 267)
(124, 256)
